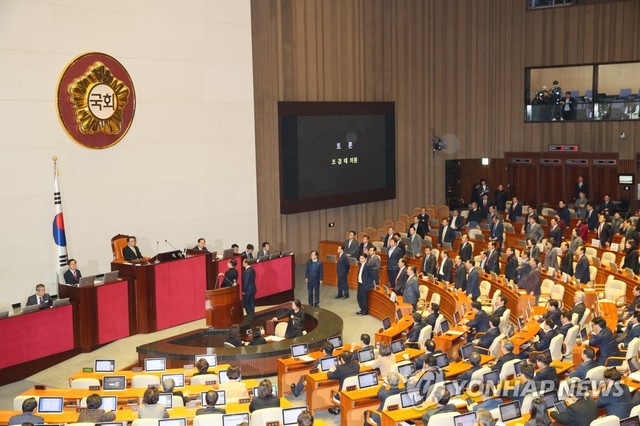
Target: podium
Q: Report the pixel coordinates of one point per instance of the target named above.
(223, 307)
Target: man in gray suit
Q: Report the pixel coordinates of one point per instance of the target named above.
(29, 405)
(441, 397)
(351, 245)
(411, 293)
(415, 243)
(374, 263)
(534, 230)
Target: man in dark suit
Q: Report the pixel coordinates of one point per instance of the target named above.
(581, 410)
(563, 213)
(248, 253)
(591, 217)
(41, 297)
(201, 246)
(579, 307)
(461, 274)
(605, 233)
(602, 337)
(474, 360)
(629, 231)
(607, 207)
(230, 276)
(388, 237)
(534, 280)
(506, 351)
(473, 280)
(523, 271)
(445, 271)
(515, 210)
(485, 340)
(546, 373)
(588, 355)
(411, 293)
(615, 398)
(73, 275)
(131, 251)
(566, 259)
(424, 218)
(553, 313)
(264, 251)
(465, 251)
(555, 232)
(348, 367)
(374, 264)
(351, 245)
(493, 259)
(542, 340)
(441, 397)
(496, 231)
(511, 266)
(456, 222)
(417, 226)
(565, 324)
(401, 277)
(632, 331)
(484, 206)
(445, 233)
(389, 388)
(429, 263)
(365, 283)
(342, 270)
(363, 247)
(249, 288)
(480, 321)
(501, 306)
(582, 267)
(475, 214)
(393, 256)
(500, 198)
(581, 186)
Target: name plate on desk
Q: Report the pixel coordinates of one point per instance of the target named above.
(392, 407)
(188, 367)
(276, 423)
(87, 370)
(244, 400)
(40, 387)
(94, 387)
(313, 371)
(210, 382)
(137, 369)
(351, 388)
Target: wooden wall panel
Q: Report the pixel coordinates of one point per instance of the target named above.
(452, 67)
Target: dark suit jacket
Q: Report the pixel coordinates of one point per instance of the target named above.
(547, 374)
(343, 266)
(411, 293)
(564, 329)
(566, 263)
(343, 371)
(70, 279)
(465, 252)
(420, 229)
(500, 311)
(606, 234)
(480, 323)
(522, 274)
(392, 260)
(511, 267)
(545, 340)
(429, 265)
(363, 249)
(401, 280)
(473, 284)
(564, 214)
(631, 333)
(556, 234)
(631, 260)
(509, 356)
(515, 211)
(249, 282)
(487, 338)
(581, 370)
(579, 309)
(580, 413)
(553, 316)
(199, 249)
(449, 408)
(617, 401)
(447, 270)
(584, 189)
(449, 235)
(458, 224)
(461, 277)
(367, 277)
(582, 270)
(496, 231)
(534, 282)
(475, 216)
(230, 276)
(259, 403)
(606, 342)
(131, 253)
(385, 392)
(47, 301)
(592, 219)
(493, 262)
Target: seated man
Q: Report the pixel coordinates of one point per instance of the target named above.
(429, 376)
(524, 385)
(29, 405)
(168, 386)
(506, 351)
(234, 388)
(474, 360)
(418, 325)
(347, 367)
(581, 408)
(615, 398)
(389, 387)
(553, 313)
(73, 275)
(93, 413)
(480, 321)
(211, 398)
(542, 340)
(500, 306)
(565, 324)
(579, 307)
(588, 355)
(202, 245)
(441, 397)
(486, 339)
(41, 297)
(601, 337)
(546, 375)
(631, 332)
(131, 251)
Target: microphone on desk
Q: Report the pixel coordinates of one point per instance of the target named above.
(173, 247)
(157, 249)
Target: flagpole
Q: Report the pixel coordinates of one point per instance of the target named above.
(59, 236)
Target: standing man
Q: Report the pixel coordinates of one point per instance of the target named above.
(415, 243)
(393, 256)
(365, 283)
(351, 245)
(424, 220)
(493, 259)
(249, 289)
(446, 267)
(429, 263)
(73, 275)
(374, 264)
(473, 283)
(555, 232)
(364, 246)
(201, 246)
(41, 297)
(465, 251)
(515, 210)
(342, 269)
(411, 293)
(461, 274)
(582, 272)
(401, 278)
(496, 233)
(131, 251)
(456, 222)
(313, 278)
(604, 231)
(534, 280)
(445, 233)
(417, 226)
(500, 198)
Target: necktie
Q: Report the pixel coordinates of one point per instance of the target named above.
(39, 300)
(75, 275)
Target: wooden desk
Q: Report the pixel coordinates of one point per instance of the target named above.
(456, 368)
(392, 418)
(290, 370)
(319, 389)
(354, 403)
(381, 306)
(525, 335)
(395, 331)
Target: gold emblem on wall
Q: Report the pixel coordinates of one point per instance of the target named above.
(96, 100)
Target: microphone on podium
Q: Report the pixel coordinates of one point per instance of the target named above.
(174, 247)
